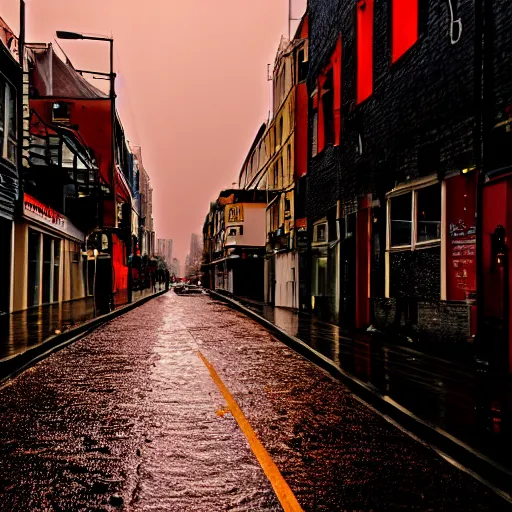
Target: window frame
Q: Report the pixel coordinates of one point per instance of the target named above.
(413, 188)
(7, 88)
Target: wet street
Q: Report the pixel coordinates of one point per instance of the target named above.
(129, 417)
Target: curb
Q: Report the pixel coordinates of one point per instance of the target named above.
(18, 363)
(478, 465)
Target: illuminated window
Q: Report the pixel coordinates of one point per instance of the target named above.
(364, 49)
(60, 112)
(404, 26)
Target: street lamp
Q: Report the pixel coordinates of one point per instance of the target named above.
(63, 34)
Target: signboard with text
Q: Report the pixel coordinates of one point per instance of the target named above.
(47, 216)
(461, 238)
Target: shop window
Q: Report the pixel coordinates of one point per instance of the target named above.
(401, 220)
(56, 269)
(364, 49)
(404, 26)
(415, 217)
(60, 112)
(428, 214)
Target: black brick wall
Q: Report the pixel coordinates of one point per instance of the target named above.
(420, 118)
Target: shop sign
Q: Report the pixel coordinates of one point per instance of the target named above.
(461, 246)
(39, 212)
(301, 223)
(234, 213)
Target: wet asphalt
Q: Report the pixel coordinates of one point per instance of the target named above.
(128, 418)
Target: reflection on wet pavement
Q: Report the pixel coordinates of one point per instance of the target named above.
(473, 406)
(128, 417)
(25, 329)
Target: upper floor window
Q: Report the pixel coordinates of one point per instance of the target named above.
(314, 135)
(404, 26)
(60, 112)
(320, 232)
(364, 38)
(8, 124)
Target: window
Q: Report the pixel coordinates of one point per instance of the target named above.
(289, 161)
(303, 66)
(415, 217)
(320, 231)
(404, 26)
(401, 220)
(8, 124)
(280, 134)
(364, 49)
(428, 214)
(60, 112)
(314, 135)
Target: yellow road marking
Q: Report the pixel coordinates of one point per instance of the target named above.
(284, 493)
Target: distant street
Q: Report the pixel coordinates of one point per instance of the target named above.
(129, 417)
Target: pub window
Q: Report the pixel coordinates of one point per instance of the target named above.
(401, 220)
(415, 217)
(404, 26)
(60, 112)
(364, 49)
(428, 214)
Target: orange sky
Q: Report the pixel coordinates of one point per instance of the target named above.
(191, 84)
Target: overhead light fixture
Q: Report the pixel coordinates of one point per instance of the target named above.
(467, 170)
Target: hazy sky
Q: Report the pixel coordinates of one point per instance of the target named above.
(192, 86)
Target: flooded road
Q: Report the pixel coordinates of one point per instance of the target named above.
(129, 418)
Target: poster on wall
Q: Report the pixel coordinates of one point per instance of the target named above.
(461, 239)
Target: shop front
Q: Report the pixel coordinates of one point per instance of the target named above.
(48, 262)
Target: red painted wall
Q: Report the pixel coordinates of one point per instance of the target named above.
(364, 50)
(119, 269)
(93, 121)
(404, 26)
(461, 236)
(335, 65)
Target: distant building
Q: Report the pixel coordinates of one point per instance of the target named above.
(165, 249)
(147, 232)
(234, 243)
(175, 267)
(193, 260)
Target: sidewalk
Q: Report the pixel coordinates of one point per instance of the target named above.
(26, 329)
(474, 407)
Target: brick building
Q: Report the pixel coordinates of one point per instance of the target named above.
(398, 108)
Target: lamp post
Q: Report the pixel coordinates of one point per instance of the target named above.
(62, 34)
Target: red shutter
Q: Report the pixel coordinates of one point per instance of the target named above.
(321, 134)
(404, 26)
(365, 49)
(336, 76)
